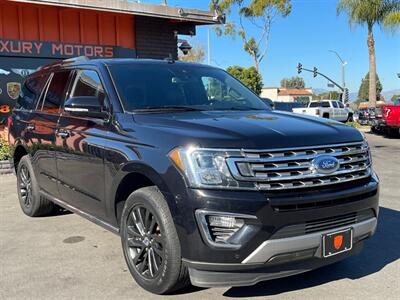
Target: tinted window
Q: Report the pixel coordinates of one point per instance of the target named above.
(320, 104)
(88, 83)
(341, 105)
(31, 90)
(56, 92)
(152, 86)
(335, 104)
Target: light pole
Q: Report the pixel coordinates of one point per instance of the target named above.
(209, 46)
(343, 63)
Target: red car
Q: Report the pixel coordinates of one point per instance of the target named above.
(391, 115)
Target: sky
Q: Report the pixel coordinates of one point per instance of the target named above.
(306, 36)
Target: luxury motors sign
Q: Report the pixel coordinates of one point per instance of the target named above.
(44, 49)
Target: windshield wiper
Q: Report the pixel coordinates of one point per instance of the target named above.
(244, 108)
(169, 108)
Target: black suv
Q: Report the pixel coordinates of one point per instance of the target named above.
(202, 181)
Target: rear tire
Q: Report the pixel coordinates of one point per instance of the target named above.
(325, 116)
(28, 191)
(150, 243)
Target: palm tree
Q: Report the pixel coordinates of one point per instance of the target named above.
(370, 13)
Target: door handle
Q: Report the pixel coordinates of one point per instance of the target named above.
(62, 134)
(30, 127)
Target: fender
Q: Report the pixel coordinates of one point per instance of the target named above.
(140, 168)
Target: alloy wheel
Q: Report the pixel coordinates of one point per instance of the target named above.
(145, 243)
(25, 186)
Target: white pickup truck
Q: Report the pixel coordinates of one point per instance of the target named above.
(329, 109)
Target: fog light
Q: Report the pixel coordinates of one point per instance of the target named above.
(227, 222)
(220, 229)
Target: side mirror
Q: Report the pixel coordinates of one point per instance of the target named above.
(85, 106)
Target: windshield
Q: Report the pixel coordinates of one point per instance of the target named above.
(145, 86)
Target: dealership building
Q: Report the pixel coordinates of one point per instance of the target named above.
(36, 32)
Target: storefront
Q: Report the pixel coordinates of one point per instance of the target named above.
(37, 32)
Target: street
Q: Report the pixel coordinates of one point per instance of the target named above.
(68, 257)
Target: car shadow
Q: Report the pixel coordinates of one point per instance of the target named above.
(379, 251)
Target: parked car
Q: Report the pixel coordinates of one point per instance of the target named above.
(391, 118)
(363, 116)
(329, 109)
(203, 185)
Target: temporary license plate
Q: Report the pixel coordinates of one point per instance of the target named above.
(337, 242)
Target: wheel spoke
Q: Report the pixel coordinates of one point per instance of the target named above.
(150, 264)
(133, 243)
(143, 264)
(131, 231)
(146, 220)
(152, 225)
(153, 258)
(139, 255)
(158, 251)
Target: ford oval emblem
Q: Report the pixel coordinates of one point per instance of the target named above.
(325, 164)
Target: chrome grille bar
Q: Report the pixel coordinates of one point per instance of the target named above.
(293, 168)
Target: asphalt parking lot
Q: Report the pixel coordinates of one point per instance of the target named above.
(67, 257)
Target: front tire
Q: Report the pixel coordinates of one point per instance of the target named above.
(28, 191)
(150, 243)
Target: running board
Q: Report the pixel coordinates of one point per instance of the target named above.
(77, 211)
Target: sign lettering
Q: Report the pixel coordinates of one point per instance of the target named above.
(61, 50)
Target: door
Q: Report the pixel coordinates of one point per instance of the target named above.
(80, 156)
(335, 110)
(343, 112)
(41, 129)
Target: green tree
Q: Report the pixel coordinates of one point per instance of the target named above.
(332, 95)
(370, 13)
(394, 97)
(196, 54)
(364, 90)
(295, 82)
(248, 76)
(253, 14)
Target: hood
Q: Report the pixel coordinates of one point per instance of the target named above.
(251, 129)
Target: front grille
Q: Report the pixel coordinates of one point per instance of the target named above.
(282, 169)
(324, 224)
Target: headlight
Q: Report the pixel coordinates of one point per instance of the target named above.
(206, 168)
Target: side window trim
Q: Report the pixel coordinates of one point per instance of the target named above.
(78, 71)
(44, 93)
(48, 83)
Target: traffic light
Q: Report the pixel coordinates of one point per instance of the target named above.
(315, 72)
(299, 68)
(346, 95)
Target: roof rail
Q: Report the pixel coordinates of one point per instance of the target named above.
(65, 61)
(76, 59)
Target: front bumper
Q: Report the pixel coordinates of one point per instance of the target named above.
(265, 254)
(257, 273)
(277, 258)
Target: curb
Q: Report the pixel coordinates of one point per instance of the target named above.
(6, 167)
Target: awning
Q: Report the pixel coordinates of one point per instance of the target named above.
(198, 17)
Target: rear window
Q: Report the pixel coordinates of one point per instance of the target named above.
(320, 104)
(31, 91)
(56, 92)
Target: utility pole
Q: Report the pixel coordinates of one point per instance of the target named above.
(209, 46)
(343, 63)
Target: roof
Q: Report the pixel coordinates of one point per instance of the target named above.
(141, 9)
(294, 92)
(84, 61)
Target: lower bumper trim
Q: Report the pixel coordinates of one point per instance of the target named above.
(244, 277)
(271, 248)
